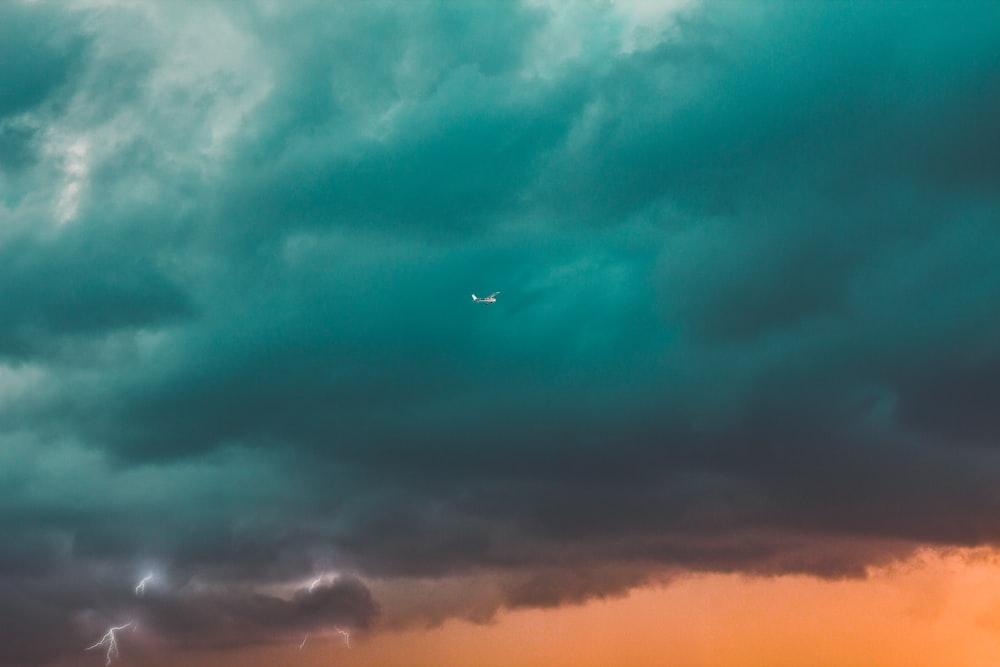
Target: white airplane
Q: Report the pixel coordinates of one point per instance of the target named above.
(492, 298)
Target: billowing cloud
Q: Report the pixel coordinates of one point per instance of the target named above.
(746, 257)
(42, 619)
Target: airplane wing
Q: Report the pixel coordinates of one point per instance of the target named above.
(492, 295)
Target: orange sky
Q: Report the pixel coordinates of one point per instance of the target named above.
(936, 608)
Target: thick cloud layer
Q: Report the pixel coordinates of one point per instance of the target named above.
(747, 263)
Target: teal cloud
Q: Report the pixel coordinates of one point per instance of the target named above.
(746, 317)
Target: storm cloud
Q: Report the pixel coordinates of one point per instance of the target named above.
(747, 320)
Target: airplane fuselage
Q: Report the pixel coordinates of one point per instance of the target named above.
(492, 298)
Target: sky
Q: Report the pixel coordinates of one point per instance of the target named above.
(736, 403)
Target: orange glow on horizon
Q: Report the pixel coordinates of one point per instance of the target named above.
(936, 608)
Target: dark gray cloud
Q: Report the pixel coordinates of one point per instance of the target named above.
(228, 618)
(64, 616)
(747, 267)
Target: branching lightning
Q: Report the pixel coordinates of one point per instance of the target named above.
(110, 641)
(343, 633)
(140, 589)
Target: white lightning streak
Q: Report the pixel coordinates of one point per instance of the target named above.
(140, 589)
(304, 640)
(316, 582)
(346, 635)
(110, 641)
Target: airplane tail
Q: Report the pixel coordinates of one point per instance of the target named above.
(474, 298)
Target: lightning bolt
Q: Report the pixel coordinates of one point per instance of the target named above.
(110, 641)
(304, 640)
(140, 589)
(343, 633)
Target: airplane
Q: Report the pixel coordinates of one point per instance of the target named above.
(492, 298)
